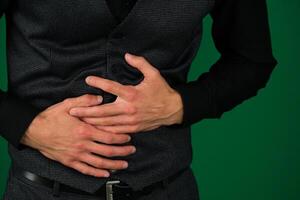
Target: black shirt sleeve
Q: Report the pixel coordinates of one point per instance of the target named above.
(15, 114)
(3, 6)
(241, 34)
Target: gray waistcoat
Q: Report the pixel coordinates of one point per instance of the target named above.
(52, 45)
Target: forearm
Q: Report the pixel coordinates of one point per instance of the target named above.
(245, 65)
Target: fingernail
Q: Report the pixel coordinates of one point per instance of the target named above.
(125, 164)
(128, 55)
(106, 174)
(133, 149)
(128, 138)
(99, 97)
(88, 79)
(72, 111)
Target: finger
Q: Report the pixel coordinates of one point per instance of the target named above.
(113, 120)
(141, 64)
(151, 128)
(103, 163)
(88, 170)
(98, 111)
(47, 154)
(110, 150)
(120, 129)
(83, 100)
(109, 138)
(126, 129)
(107, 85)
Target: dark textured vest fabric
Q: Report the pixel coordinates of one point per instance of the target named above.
(53, 45)
(120, 8)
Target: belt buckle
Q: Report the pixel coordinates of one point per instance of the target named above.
(109, 189)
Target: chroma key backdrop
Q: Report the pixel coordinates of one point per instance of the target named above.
(253, 151)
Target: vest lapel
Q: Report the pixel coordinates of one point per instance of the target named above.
(128, 17)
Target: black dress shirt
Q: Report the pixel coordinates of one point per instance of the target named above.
(241, 35)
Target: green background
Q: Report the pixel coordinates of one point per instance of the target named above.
(252, 152)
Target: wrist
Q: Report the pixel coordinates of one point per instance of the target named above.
(179, 107)
(28, 138)
(175, 108)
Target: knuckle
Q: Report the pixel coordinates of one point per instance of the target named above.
(122, 137)
(98, 110)
(108, 139)
(72, 164)
(88, 97)
(113, 132)
(114, 138)
(73, 155)
(100, 163)
(109, 152)
(141, 59)
(81, 157)
(119, 164)
(67, 161)
(109, 86)
(67, 102)
(132, 93)
(134, 128)
(80, 129)
(85, 170)
(116, 85)
(83, 131)
(132, 119)
(80, 145)
(130, 109)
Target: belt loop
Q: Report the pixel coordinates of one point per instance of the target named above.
(56, 186)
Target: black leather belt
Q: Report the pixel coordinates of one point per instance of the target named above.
(112, 190)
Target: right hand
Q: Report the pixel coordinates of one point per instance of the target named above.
(72, 142)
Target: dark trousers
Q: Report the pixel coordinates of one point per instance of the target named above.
(184, 187)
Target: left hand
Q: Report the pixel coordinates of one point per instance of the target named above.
(146, 106)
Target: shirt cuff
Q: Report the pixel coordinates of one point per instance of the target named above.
(15, 117)
(197, 104)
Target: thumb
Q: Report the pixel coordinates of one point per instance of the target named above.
(141, 64)
(83, 100)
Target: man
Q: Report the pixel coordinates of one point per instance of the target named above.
(139, 109)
